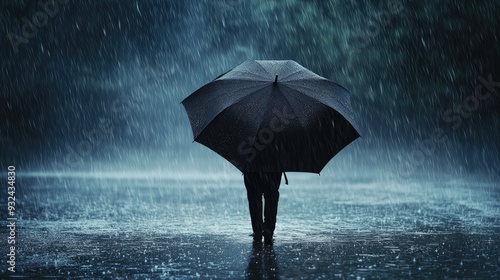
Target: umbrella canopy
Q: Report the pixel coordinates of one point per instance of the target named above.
(272, 116)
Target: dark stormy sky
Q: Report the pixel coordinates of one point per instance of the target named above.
(96, 85)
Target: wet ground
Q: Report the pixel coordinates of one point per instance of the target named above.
(199, 228)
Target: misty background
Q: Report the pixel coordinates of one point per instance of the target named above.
(97, 86)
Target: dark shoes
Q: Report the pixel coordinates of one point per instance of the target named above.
(268, 238)
(256, 237)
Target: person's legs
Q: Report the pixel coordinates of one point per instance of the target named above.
(254, 196)
(271, 196)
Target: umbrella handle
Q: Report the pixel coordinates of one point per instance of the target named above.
(286, 179)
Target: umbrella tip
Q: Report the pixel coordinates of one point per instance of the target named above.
(276, 79)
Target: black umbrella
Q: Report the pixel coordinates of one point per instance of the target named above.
(272, 116)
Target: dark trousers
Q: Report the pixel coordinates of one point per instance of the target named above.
(257, 185)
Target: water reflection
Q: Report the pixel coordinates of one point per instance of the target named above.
(119, 229)
(262, 262)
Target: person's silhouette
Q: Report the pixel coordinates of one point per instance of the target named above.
(267, 184)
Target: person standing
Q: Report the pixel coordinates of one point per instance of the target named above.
(265, 184)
